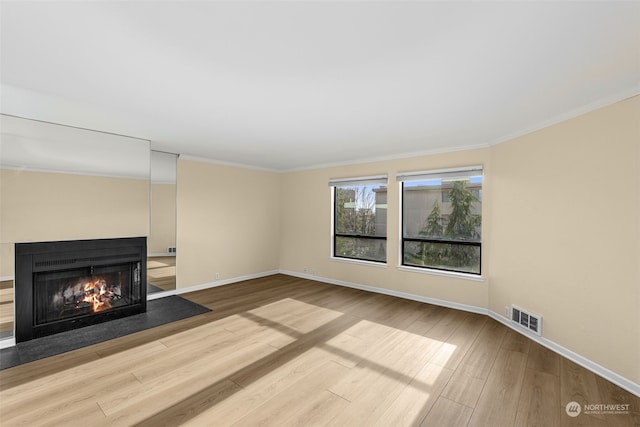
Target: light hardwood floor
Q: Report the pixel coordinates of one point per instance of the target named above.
(283, 351)
(6, 308)
(161, 272)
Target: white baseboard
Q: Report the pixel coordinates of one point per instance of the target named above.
(209, 285)
(6, 278)
(7, 342)
(597, 369)
(413, 297)
(158, 254)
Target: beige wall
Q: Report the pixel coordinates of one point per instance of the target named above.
(163, 218)
(306, 229)
(228, 222)
(561, 227)
(565, 240)
(39, 206)
(561, 232)
(7, 258)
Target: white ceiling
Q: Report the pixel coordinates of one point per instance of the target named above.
(292, 85)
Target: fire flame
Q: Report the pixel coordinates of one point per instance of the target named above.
(97, 294)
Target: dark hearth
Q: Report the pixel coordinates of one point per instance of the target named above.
(160, 312)
(70, 284)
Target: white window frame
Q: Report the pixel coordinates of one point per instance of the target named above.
(356, 181)
(429, 175)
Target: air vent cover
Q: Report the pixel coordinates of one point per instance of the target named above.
(526, 319)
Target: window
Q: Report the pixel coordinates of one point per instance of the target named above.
(441, 219)
(360, 218)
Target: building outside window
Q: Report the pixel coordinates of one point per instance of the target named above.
(442, 219)
(360, 218)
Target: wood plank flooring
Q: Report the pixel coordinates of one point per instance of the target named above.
(282, 351)
(161, 272)
(6, 308)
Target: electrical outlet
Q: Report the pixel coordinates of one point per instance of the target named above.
(304, 270)
(217, 276)
(507, 312)
(313, 271)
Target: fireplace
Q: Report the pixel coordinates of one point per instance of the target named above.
(70, 284)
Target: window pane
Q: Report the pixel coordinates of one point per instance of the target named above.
(360, 222)
(448, 209)
(361, 210)
(444, 256)
(359, 248)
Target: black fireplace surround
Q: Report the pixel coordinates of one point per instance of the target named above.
(66, 285)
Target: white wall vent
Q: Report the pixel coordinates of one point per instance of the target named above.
(171, 250)
(527, 320)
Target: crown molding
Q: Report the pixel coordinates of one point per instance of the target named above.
(571, 114)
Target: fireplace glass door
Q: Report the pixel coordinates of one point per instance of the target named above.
(65, 294)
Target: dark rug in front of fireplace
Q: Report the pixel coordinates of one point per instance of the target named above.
(159, 312)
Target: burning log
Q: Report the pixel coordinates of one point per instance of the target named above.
(95, 294)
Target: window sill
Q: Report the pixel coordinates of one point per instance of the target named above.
(451, 274)
(359, 262)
